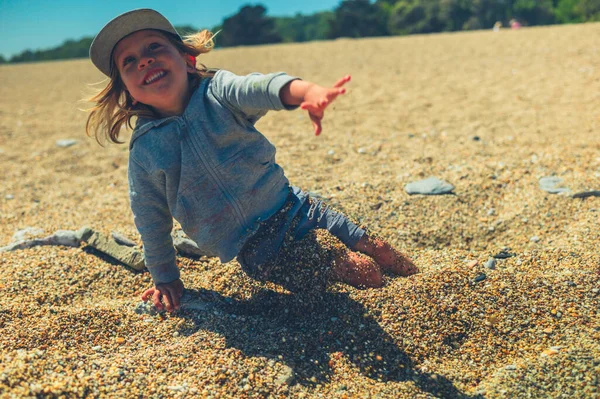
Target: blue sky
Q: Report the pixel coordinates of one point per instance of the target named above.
(42, 24)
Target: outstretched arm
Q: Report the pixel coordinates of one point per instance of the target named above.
(312, 97)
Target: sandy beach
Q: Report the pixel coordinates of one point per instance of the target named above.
(490, 113)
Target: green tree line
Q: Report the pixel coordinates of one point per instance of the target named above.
(363, 18)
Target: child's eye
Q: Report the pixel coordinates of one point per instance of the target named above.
(154, 46)
(127, 60)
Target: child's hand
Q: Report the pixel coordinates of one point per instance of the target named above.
(170, 294)
(317, 98)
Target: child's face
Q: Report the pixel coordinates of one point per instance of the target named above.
(154, 71)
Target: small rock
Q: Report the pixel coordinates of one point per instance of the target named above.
(535, 239)
(64, 143)
(473, 263)
(491, 263)
(476, 138)
(124, 254)
(26, 233)
(67, 238)
(9, 197)
(331, 153)
(429, 186)
(187, 247)
(121, 239)
(551, 184)
(549, 352)
(510, 367)
(96, 348)
(362, 151)
(491, 212)
(480, 277)
(504, 255)
(145, 308)
(585, 194)
(287, 376)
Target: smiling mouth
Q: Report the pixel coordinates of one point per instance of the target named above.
(155, 77)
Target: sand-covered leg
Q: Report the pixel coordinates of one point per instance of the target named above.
(389, 258)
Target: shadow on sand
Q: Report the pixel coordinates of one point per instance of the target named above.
(302, 331)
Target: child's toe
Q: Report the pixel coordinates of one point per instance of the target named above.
(358, 270)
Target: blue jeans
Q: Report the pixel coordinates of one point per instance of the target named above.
(299, 215)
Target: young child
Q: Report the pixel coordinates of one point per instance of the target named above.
(196, 156)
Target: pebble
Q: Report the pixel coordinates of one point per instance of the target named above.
(551, 185)
(64, 143)
(480, 277)
(286, 376)
(586, 194)
(429, 186)
(534, 239)
(9, 197)
(145, 308)
(27, 232)
(504, 254)
(121, 239)
(491, 263)
(186, 247)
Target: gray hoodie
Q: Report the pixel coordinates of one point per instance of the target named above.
(209, 168)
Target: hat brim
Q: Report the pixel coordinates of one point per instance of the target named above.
(121, 26)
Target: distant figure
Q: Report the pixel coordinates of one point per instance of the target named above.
(196, 156)
(497, 26)
(514, 24)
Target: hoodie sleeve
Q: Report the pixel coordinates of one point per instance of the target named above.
(154, 222)
(252, 95)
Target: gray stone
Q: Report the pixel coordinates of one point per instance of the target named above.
(429, 186)
(189, 302)
(125, 255)
(67, 238)
(286, 376)
(26, 232)
(551, 185)
(491, 263)
(585, 194)
(480, 277)
(186, 247)
(64, 143)
(9, 197)
(535, 239)
(145, 308)
(84, 233)
(122, 239)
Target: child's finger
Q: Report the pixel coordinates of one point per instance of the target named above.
(168, 300)
(309, 107)
(175, 297)
(342, 81)
(316, 121)
(147, 294)
(156, 299)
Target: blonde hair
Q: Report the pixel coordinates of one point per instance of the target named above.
(114, 106)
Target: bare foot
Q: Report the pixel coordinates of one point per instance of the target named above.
(357, 270)
(389, 258)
